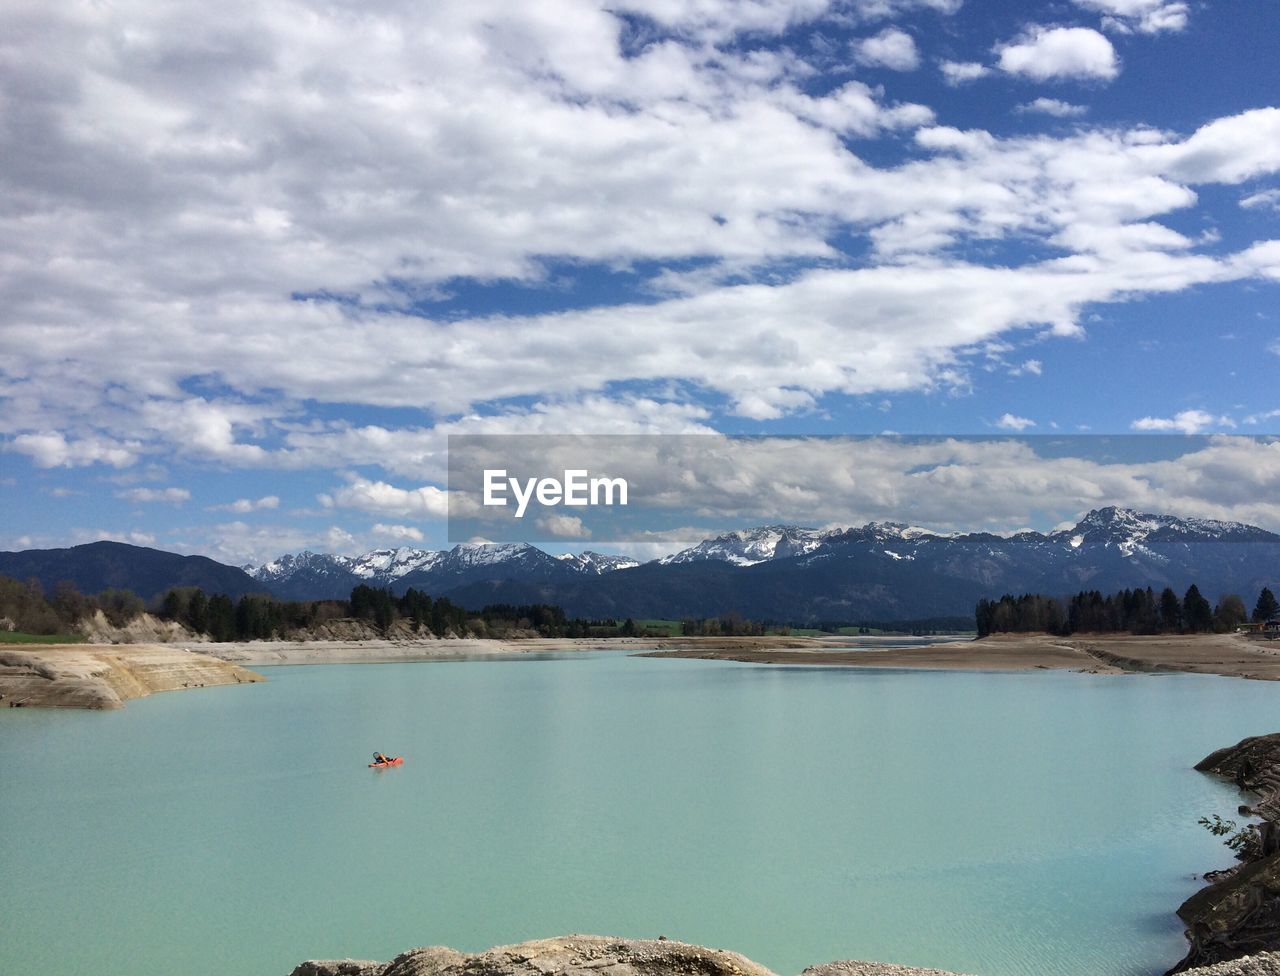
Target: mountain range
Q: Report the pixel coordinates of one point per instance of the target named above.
(881, 570)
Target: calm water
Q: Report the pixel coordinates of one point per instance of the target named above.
(1005, 824)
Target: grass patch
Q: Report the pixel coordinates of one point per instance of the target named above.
(669, 628)
(18, 637)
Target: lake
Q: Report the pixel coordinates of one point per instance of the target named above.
(1004, 824)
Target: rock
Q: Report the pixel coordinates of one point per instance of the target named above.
(852, 968)
(1265, 964)
(338, 967)
(590, 955)
(1238, 914)
(89, 676)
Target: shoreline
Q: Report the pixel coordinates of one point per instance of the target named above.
(89, 676)
(1228, 655)
(106, 675)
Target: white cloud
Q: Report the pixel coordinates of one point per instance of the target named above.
(51, 449)
(377, 176)
(563, 526)
(1228, 150)
(385, 499)
(244, 505)
(1147, 16)
(134, 538)
(1055, 107)
(238, 543)
(1013, 422)
(891, 48)
(960, 72)
(174, 496)
(1186, 421)
(1268, 199)
(1058, 53)
(944, 483)
(400, 533)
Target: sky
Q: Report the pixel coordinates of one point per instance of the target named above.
(258, 261)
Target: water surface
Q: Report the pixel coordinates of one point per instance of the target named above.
(1006, 824)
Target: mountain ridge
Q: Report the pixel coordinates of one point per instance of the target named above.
(879, 570)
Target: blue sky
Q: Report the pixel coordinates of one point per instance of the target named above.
(258, 263)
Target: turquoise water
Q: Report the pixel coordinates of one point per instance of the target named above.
(1005, 824)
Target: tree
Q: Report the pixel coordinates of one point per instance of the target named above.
(1197, 614)
(221, 618)
(69, 603)
(1170, 610)
(1229, 614)
(1266, 607)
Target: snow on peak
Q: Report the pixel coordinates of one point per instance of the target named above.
(746, 547)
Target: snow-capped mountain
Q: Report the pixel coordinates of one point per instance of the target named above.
(747, 547)
(310, 575)
(1128, 530)
(595, 563)
(880, 570)
(385, 565)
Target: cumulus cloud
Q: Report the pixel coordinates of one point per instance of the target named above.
(245, 505)
(174, 496)
(51, 449)
(943, 483)
(891, 48)
(1263, 199)
(399, 533)
(133, 538)
(381, 498)
(1054, 107)
(960, 72)
(1060, 53)
(563, 527)
(1011, 421)
(239, 543)
(1186, 421)
(1147, 16)
(285, 252)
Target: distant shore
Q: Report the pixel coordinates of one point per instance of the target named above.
(1231, 655)
(267, 653)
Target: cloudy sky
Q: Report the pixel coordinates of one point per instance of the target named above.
(258, 260)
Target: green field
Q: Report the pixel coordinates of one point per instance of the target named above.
(669, 628)
(864, 632)
(18, 637)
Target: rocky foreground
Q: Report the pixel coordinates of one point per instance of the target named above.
(1240, 912)
(90, 676)
(593, 955)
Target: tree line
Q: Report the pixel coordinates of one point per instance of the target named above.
(28, 609)
(1137, 611)
(262, 617)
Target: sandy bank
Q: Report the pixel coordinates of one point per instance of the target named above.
(1226, 654)
(263, 653)
(105, 676)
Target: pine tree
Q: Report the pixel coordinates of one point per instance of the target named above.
(1266, 607)
(1197, 614)
(1170, 610)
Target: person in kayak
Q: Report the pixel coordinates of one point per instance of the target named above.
(380, 759)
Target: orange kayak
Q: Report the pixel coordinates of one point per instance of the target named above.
(397, 761)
